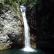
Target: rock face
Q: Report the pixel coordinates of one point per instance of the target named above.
(11, 27)
(45, 25)
(31, 17)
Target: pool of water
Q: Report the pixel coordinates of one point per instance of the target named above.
(17, 51)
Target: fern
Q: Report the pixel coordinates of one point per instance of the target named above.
(15, 4)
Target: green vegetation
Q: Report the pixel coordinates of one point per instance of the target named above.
(15, 4)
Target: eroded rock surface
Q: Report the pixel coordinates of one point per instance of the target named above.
(9, 23)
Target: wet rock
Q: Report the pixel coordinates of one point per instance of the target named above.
(33, 41)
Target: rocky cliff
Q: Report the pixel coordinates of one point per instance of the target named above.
(11, 28)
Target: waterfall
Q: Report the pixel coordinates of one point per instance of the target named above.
(27, 47)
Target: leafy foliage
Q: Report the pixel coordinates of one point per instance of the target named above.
(15, 4)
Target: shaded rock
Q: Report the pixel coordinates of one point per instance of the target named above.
(33, 41)
(4, 42)
(16, 39)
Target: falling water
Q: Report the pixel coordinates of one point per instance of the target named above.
(26, 31)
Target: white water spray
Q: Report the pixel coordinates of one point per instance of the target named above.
(27, 47)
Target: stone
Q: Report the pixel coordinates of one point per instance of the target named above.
(10, 28)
